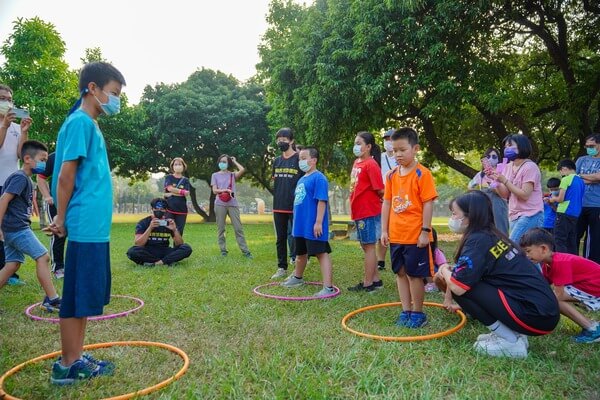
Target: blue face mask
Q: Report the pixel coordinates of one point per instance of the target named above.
(303, 165)
(113, 106)
(511, 153)
(356, 150)
(222, 166)
(591, 151)
(40, 167)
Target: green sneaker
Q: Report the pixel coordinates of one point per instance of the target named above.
(80, 370)
(292, 282)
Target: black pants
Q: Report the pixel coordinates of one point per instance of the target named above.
(282, 222)
(589, 224)
(179, 221)
(483, 302)
(57, 243)
(168, 255)
(565, 234)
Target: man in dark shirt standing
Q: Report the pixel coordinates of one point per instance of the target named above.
(152, 235)
(286, 174)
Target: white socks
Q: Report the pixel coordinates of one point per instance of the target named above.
(503, 331)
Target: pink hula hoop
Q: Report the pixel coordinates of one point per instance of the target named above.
(96, 318)
(288, 298)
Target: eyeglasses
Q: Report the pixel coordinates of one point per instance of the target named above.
(493, 156)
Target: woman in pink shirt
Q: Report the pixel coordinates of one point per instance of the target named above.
(521, 184)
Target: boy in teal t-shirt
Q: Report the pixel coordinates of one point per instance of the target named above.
(82, 191)
(569, 201)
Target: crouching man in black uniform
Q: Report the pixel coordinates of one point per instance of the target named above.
(152, 235)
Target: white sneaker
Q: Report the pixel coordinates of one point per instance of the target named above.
(292, 282)
(324, 292)
(500, 347)
(492, 336)
(281, 273)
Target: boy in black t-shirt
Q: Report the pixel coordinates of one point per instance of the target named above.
(16, 204)
(152, 235)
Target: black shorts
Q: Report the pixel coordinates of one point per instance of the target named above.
(416, 261)
(311, 247)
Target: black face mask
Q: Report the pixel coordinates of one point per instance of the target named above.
(159, 214)
(283, 146)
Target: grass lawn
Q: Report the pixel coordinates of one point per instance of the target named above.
(244, 346)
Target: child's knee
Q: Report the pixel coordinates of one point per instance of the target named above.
(43, 260)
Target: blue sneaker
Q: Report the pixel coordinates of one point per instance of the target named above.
(51, 305)
(107, 367)
(588, 336)
(403, 318)
(13, 281)
(80, 370)
(417, 320)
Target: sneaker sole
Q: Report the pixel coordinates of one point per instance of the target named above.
(482, 349)
(293, 286)
(50, 309)
(63, 382)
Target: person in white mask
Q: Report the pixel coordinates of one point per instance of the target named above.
(12, 137)
(388, 163)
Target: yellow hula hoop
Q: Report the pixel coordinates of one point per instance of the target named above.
(140, 343)
(463, 321)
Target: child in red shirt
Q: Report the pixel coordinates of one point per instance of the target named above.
(575, 279)
(366, 189)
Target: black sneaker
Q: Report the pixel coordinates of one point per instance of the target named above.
(378, 285)
(51, 305)
(360, 287)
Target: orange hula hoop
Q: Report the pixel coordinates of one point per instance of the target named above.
(463, 321)
(139, 343)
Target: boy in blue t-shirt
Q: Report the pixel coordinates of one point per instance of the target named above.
(550, 208)
(569, 201)
(16, 204)
(311, 224)
(82, 191)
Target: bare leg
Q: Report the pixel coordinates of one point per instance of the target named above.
(43, 275)
(371, 273)
(404, 290)
(326, 268)
(300, 265)
(381, 251)
(72, 336)
(571, 312)
(9, 269)
(417, 292)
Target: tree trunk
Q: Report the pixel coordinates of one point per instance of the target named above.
(207, 217)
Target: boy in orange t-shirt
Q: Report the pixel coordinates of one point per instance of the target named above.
(406, 225)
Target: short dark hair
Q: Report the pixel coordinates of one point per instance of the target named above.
(523, 145)
(312, 152)
(99, 72)
(158, 203)
(286, 133)
(553, 183)
(595, 137)
(31, 148)
(569, 164)
(406, 133)
(537, 237)
(6, 87)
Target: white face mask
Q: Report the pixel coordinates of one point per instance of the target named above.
(356, 150)
(178, 168)
(388, 146)
(5, 105)
(456, 225)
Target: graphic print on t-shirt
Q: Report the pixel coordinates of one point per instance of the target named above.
(354, 178)
(300, 194)
(401, 202)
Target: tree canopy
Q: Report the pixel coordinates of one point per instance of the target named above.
(464, 73)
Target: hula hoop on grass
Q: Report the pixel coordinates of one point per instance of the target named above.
(463, 321)
(290, 298)
(139, 343)
(96, 318)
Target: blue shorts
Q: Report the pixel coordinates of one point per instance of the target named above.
(86, 288)
(368, 230)
(18, 244)
(416, 261)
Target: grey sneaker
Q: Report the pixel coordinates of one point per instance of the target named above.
(281, 273)
(292, 282)
(324, 292)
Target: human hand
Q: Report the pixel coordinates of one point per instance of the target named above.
(233, 159)
(49, 200)
(57, 226)
(423, 239)
(9, 117)
(155, 223)
(25, 124)
(171, 224)
(318, 229)
(385, 239)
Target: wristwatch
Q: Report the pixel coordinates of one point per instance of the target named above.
(426, 229)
